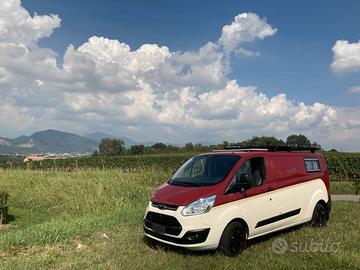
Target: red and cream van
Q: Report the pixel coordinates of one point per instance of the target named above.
(221, 199)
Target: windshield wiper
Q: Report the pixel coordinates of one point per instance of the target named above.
(186, 184)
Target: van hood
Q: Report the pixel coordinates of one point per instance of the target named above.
(180, 195)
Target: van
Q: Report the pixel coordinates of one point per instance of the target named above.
(221, 199)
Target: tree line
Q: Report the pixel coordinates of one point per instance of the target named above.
(116, 146)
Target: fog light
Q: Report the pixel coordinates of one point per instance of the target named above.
(193, 237)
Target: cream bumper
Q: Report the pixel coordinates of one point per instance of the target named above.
(192, 232)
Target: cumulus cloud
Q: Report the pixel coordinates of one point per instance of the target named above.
(246, 27)
(148, 93)
(346, 57)
(17, 26)
(354, 89)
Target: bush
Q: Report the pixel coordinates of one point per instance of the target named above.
(3, 207)
(129, 163)
(357, 187)
(341, 166)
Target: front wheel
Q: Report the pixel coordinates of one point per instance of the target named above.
(233, 239)
(320, 215)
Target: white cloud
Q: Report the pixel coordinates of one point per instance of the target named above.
(246, 27)
(17, 26)
(13, 116)
(149, 93)
(354, 89)
(346, 57)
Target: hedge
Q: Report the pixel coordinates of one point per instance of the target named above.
(341, 166)
(3, 207)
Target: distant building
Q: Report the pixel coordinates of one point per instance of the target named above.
(34, 158)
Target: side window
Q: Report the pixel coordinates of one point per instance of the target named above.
(254, 169)
(244, 169)
(258, 173)
(312, 165)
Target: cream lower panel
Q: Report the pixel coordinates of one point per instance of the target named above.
(254, 209)
(303, 197)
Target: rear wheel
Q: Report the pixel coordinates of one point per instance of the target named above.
(320, 216)
(233, 239)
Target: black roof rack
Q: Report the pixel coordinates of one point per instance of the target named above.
(275, 148)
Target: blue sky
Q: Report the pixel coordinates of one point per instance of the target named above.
(179, 71)
(296, 60)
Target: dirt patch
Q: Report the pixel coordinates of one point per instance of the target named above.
(5, 226)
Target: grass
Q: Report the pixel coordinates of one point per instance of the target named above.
(343, 187)
(93, 219)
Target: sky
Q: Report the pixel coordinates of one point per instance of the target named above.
(179, 71)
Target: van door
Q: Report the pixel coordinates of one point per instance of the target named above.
(289, 196)
(257, 204)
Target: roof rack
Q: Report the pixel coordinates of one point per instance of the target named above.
(272, 148)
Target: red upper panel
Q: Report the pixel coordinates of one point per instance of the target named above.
(282, 169)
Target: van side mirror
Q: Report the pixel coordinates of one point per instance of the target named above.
(243, 182)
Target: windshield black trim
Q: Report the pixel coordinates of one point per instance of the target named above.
(195, 184)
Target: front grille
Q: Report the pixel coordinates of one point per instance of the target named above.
(162, 223)
(163, 206)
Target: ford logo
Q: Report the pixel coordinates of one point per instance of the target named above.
(161, 206)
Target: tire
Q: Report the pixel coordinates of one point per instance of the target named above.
(233, 239)
(320, 216)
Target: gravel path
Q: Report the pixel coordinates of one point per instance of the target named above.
(345, 197)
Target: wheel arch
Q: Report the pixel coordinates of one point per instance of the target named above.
(318, 197)
(242, 222)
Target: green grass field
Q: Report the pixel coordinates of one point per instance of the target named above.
(343, 187)
(59, 220)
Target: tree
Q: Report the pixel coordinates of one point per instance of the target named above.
(298, 140)
(189, 147)
(225, 143)
(262, 141)
(160, 146)
(137, 149)
(95, 153)
(111, 147)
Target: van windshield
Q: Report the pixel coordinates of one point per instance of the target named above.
(204, 170)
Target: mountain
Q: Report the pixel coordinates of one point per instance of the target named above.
(97, 136)
(47, 141)
(55, 141)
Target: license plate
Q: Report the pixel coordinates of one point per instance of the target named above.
(158, 228)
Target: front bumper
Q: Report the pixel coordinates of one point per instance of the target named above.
(191, 232)
(189, 238)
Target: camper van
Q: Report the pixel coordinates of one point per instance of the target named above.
(222, 199)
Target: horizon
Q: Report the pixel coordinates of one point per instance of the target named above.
(139, 70)
(177, 144)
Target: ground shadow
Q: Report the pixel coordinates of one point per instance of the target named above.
(10, 218)
(273, 235)
(168, 248)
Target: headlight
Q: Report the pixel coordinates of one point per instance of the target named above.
(198, 207)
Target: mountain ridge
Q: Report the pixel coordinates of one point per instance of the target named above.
(61, 142)
(47, 141)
